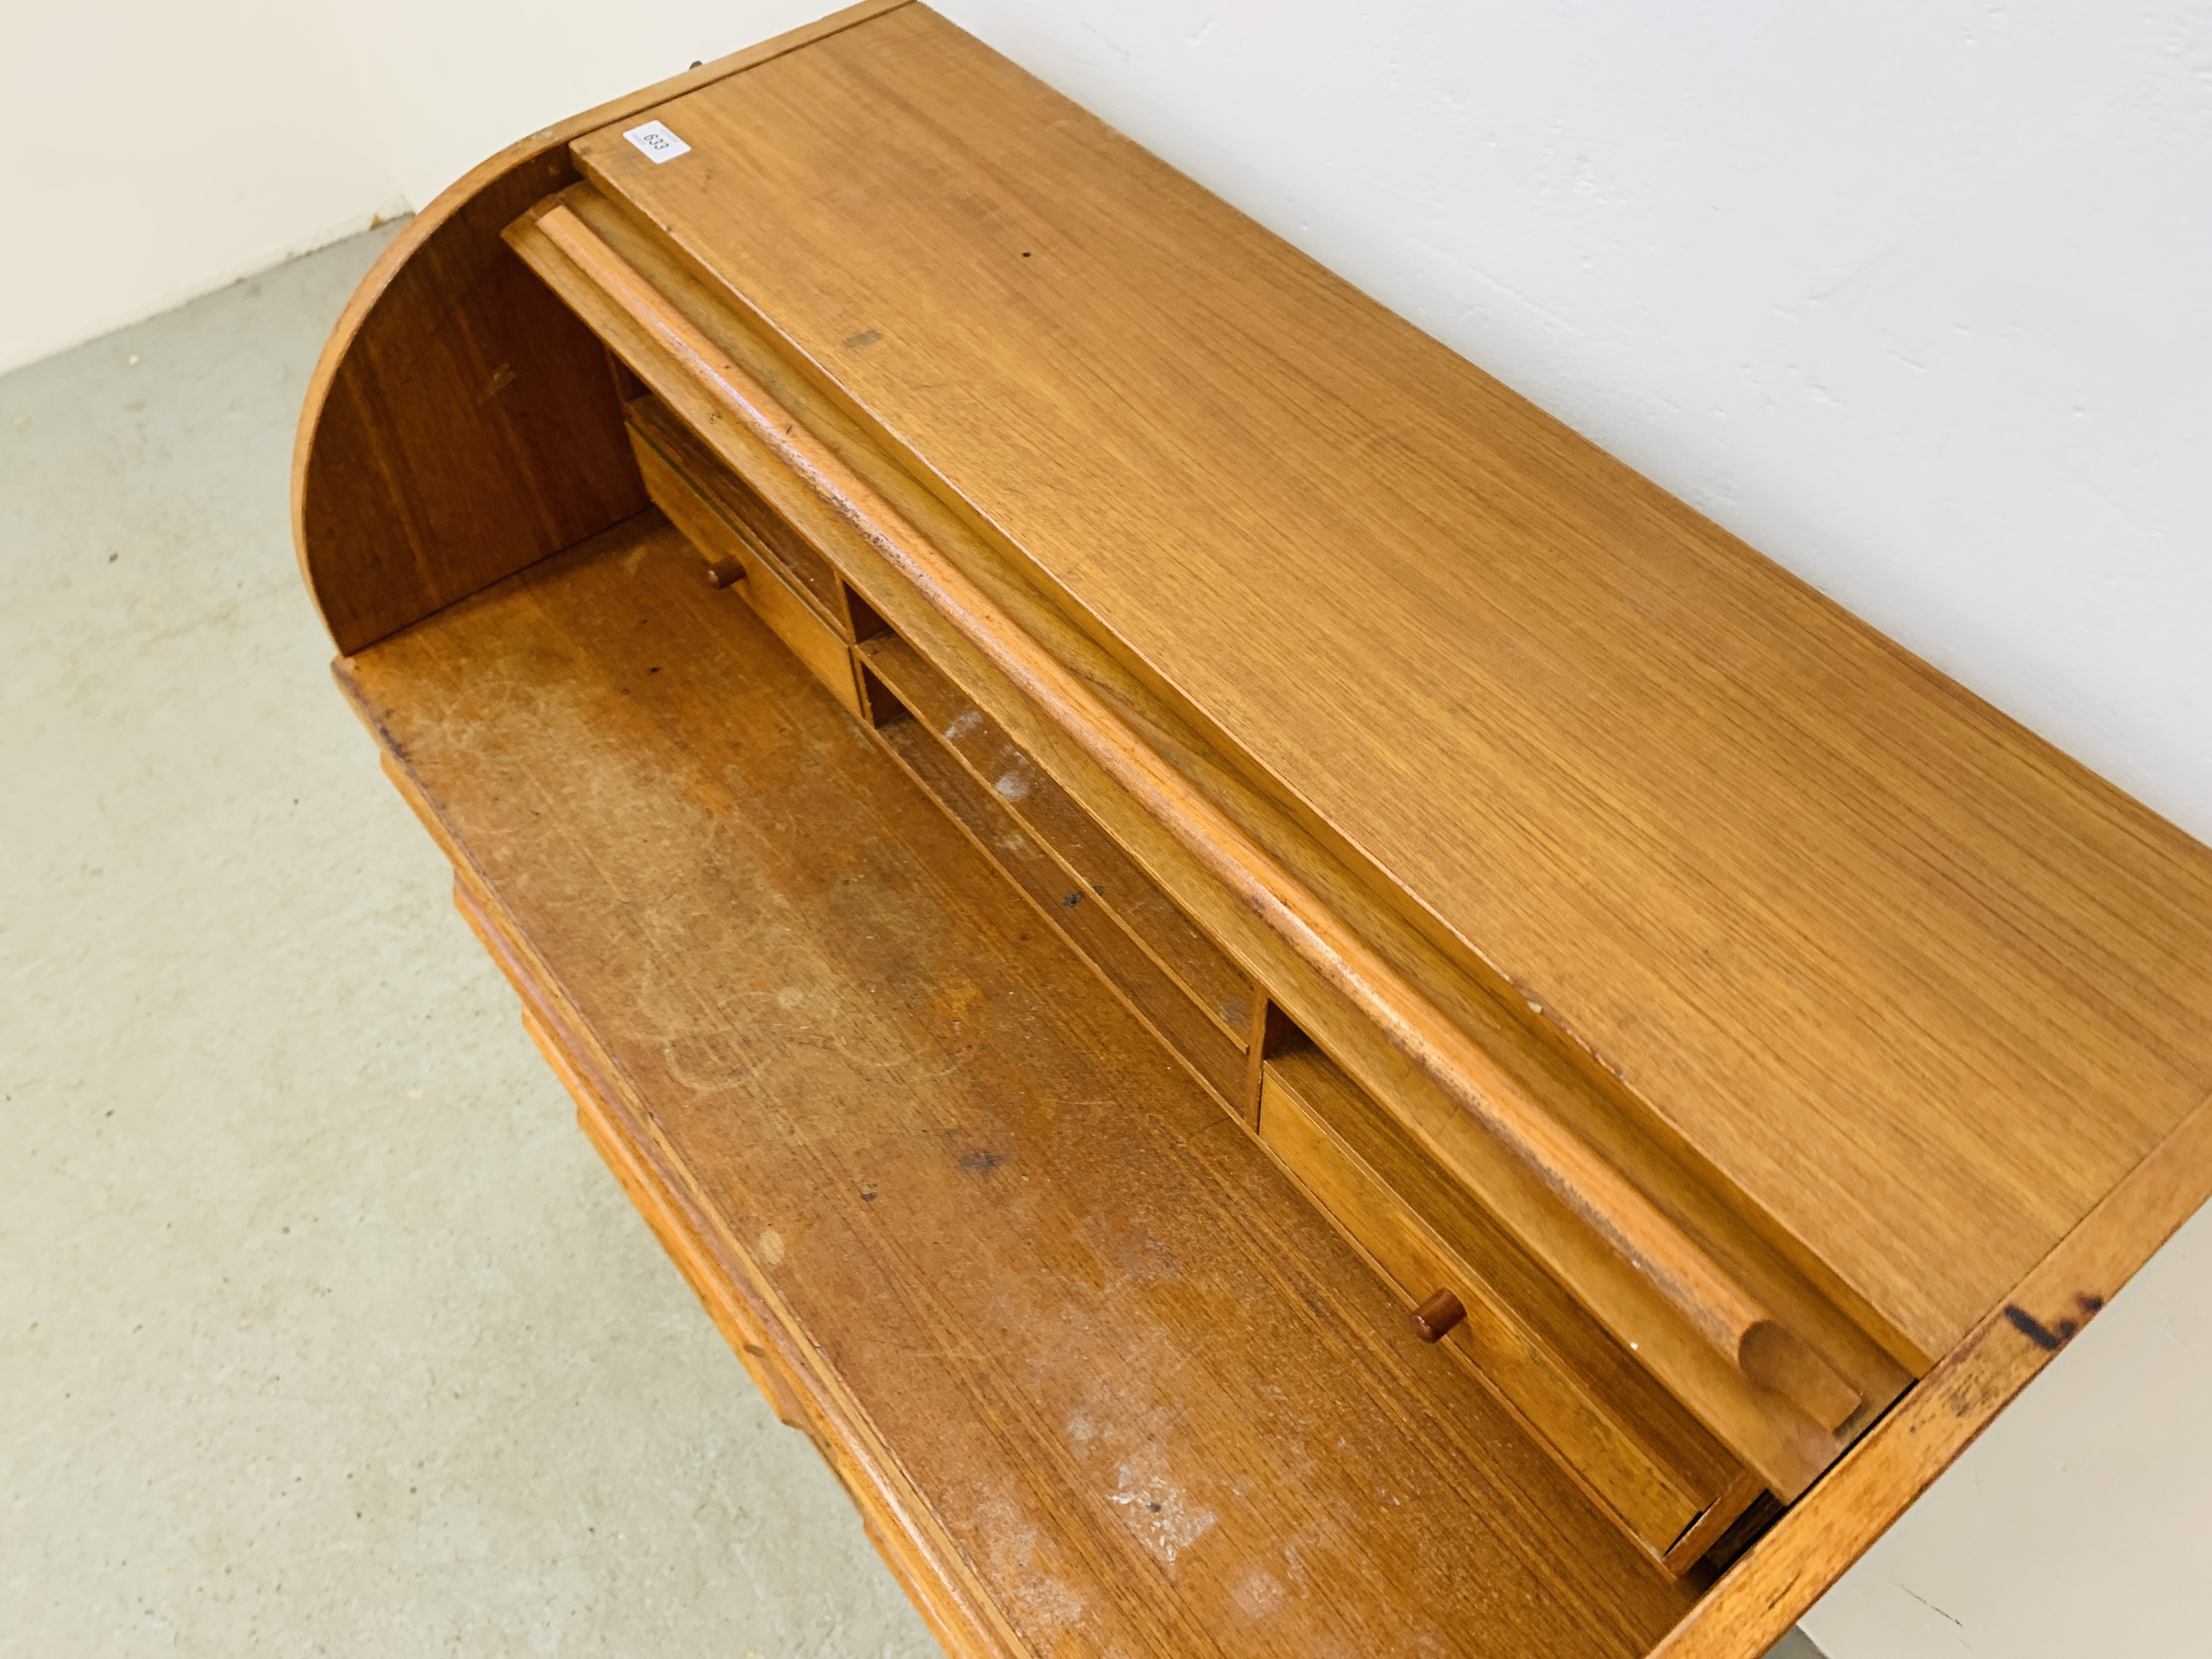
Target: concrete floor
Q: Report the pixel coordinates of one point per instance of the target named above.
(325, 1330)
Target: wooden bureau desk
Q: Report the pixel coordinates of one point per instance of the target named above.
(1290, 1013)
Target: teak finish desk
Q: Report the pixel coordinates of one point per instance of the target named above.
(1291, 1013)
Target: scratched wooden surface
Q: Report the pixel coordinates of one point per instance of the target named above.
(1153, 1401)
(1921, 989)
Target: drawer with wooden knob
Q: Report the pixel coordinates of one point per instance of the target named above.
(1669, 1484)
(746, 547)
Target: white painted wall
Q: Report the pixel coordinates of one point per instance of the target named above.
(1911, 294)
(449, 82)
(156, 151)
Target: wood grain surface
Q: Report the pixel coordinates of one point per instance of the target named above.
(458, 426)
(1920, 987)
(1068, 908)
(730, 555)
(1071, 1335)
(1093, 860)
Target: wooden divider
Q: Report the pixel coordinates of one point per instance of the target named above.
(1090, 857)
(1075, 910)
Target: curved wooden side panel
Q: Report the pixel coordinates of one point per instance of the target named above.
(460, 423)
(461, 428)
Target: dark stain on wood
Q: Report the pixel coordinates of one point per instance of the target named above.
(2035, 1331)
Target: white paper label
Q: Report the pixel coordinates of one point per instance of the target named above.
(658, 141)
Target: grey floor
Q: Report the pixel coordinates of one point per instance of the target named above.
(324, 1330)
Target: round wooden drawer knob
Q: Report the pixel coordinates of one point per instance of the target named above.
(1434, 1317)
(725, 572)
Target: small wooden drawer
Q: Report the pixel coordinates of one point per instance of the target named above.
(655, 428)
(1668, 1482)
(694, 496)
